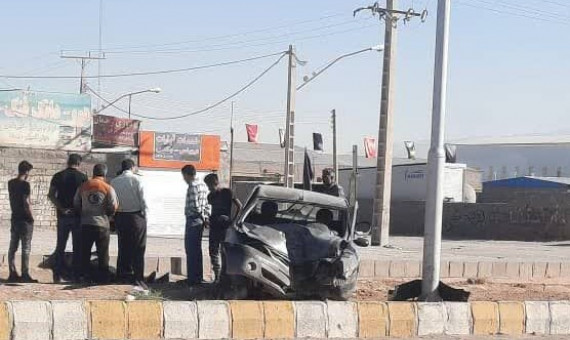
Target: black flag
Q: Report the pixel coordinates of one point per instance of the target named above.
(317, 141)
(282, 138)
(411, 149)
(450, 153)
(308, 174)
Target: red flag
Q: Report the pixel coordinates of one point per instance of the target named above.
(370, 147)
(251, 133)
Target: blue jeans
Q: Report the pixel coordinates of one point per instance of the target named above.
(193, 245)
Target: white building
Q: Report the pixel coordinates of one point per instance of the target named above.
(515, 156)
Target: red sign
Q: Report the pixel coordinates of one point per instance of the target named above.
(251, 133)
(113, 131)
(370, 147)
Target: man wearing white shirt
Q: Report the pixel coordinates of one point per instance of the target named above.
(130, 222)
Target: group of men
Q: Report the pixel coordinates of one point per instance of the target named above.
(86, 207)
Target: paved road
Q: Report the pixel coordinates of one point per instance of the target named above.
(405, 248)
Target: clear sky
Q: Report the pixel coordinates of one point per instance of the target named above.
(509, 63)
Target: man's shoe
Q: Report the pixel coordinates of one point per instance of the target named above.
(13, 278)
(56, 278)
(26, 278)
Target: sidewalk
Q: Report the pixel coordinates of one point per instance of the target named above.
(405, 248)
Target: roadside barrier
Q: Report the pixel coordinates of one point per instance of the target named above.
(148, 319)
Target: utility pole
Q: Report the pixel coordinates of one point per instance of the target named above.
(84, 60)
(290, 121)
(436, 161)
(335, 157)
(383, 189)
(231, 145)
(130, 98)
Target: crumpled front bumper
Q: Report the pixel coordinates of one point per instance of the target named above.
(246, 261)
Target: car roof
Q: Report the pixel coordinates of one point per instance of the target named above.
(296, 195)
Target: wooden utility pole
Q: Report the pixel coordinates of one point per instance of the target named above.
(335, 157)
(84, 60)
(290, 121)
(232, 145)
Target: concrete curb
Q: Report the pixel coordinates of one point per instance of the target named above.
(276, 319)
(386, 269)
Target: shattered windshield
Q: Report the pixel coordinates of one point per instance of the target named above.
(269, 212)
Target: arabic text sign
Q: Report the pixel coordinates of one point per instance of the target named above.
(177, 147)
(45, 120)
(113, 131)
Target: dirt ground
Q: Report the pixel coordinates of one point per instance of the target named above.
(368, 290)
(377, 290)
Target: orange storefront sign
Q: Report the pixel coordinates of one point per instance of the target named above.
(174, 150)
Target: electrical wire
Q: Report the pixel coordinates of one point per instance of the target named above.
(219, 37)
(132, 74)
(220, 102)
(237, 44)
(462, 2)
(524, 9)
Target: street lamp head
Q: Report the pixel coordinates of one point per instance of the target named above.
(378, 48)
(155, 90)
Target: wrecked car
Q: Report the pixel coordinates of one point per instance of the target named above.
(293, 244)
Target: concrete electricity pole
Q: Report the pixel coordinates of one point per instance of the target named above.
(436, 161)
(290, 121)
(335, 157)
(383, 189)
(84, 61)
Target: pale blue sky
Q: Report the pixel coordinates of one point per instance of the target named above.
(509, 63)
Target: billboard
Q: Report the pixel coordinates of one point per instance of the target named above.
(113, 131)
(177, 147)
(45, 120)
(169, 150)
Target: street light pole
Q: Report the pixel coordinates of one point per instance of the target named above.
(436, 161)
(153, 90)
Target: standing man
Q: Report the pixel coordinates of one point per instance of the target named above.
(197, 212)
(130, 223)
(96, 201)
(62, 189)
(220, 199)
(22, 223)
(330, 187)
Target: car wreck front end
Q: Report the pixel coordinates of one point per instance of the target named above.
(291, 252)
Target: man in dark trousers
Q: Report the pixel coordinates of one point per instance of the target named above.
(130, 223)
(197, 212)
(22, 223)
(62, 189)
(96, 201)
(221, 200)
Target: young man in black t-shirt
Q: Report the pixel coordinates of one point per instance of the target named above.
(221, 200)
(22, 223)
(63, 187)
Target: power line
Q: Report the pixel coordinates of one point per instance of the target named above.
(133, 74)
(220, 102)
(522, 15)
(524, 9)
(238, 43)
(225, 36)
